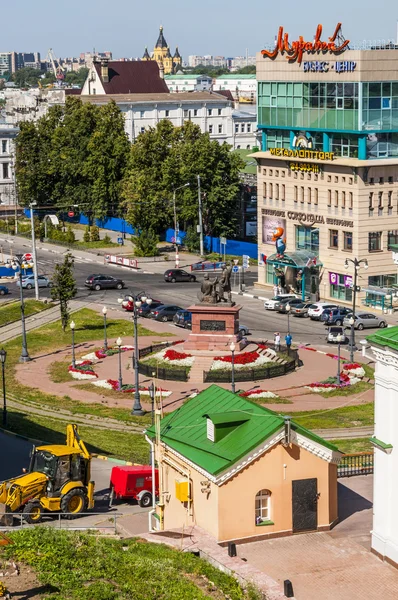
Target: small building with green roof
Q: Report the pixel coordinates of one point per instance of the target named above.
(242, 471)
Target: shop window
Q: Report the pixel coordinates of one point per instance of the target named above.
(329, 197)
(316, 196)
(383, 280)
(333, 238)
(374, 241)
(392, 238)
(340, 291)
(348, 240)
(262, 506)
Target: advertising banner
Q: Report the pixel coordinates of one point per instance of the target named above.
(121, 260)
(269, 224)
(333, 279)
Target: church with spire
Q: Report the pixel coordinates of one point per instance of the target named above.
(168, 64)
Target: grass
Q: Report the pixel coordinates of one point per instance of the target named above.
(354, 445)
(369, 371)
(82, 566)
(349, 390)
(58, 372)
(12, 312)
(361, 415)
(269, 400)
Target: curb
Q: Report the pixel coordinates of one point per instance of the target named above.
(118, 461)
(250, 295)
(22, 437)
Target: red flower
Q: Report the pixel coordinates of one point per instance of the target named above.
(241, 359)
(174, 355)
(351, 366)
(262, 346)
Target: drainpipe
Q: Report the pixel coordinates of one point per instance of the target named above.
(153, 483)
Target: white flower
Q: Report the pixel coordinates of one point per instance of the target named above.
(358, 372)
(353, 380)
(220, 364)
(320, 389)
(91, 356)
(182, 362)
(261, 394)
(80, 375)
(103, 383)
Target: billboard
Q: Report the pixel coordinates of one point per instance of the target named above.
(269, 224)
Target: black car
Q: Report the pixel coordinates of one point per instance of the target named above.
(281, 306)
(164, 312)
(335, 316)
(145, 308)
(103, 282)
(174, 275)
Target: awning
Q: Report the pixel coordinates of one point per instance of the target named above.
(377, 291)
(298, 259)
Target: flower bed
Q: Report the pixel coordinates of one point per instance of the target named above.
(348, 376)
(172, 357)
(251, 360)
(101, 353)
(113, 384)
(253, 394)
(354, 369)
(83, 370)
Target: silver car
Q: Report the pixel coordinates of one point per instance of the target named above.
(364, 320)
(28, 281)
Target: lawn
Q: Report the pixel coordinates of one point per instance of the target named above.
(353, 446)
(82, 566)
(349, 390)
(12, 312)
(361, 415)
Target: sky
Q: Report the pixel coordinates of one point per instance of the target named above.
(218, 27)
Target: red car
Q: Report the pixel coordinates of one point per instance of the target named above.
(133, 482)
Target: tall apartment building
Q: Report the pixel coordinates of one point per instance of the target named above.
(8, 134)
(328, 167)
(5, 62)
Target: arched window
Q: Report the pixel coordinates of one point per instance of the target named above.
(263, 506)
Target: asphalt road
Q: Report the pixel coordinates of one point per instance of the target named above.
(262, 323)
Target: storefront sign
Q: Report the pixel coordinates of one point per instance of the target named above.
(334, 279)
(270, 224)
(318, 66)
(339, 222)
(305, 217)
(305, 167)
(311, 154)
(295, 50)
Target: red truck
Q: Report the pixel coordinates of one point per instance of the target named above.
(133, 482)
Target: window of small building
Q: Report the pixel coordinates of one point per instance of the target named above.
(392, 238)
(333, 238)
(262, 506)
(374, 241)
(347, 240)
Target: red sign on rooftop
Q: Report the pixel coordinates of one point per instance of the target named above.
(295, 50)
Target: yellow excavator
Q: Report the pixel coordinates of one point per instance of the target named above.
(58, 480)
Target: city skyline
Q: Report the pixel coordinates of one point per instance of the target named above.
(214, 31)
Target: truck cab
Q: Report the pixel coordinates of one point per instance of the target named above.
(133, 482)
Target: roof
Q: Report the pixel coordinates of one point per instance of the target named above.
(146, 54)
(59, 450)
(298, 259)
(177, 53)
(182, 76)
(227, 94)
(163, 97)
(387, 338)
(133, 77)
(161, 43)
(185, 429)
(237, 76)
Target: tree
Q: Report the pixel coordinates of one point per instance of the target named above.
(64, 287)
(77, 77)
(94, 234)
(146, 243)
(86, 235)
(167, 157)
(191, 240)
(29, 77)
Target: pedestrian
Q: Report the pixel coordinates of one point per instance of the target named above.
(275, 290)
(277, 341)
(288, 342)
(279, 290)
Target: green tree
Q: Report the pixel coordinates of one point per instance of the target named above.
(94, 234)
(191, 240)
(70, 236)
(86, 235)
(167, 157)
(77, 77)
(64, 287)
(146, 243)
(29, 77)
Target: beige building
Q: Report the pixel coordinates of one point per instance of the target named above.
(328, 168)
(241, 471)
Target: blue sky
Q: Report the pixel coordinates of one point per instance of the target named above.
(225, 27)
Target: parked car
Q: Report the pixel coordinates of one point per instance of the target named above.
(334, 333)
(335, 316)
(364, 320)
(244, 330)
(128, 300)
(133, 482)
(164, 312)
(281, 307)
(315, 310)
(183, 318)
(174, 275)
(103, 282)
(270, 303)
(145, 308)
(28, 281)
(300, 310)
(3, 290)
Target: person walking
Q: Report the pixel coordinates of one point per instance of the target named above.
(275, 290)
(277, 341)
(288, 342)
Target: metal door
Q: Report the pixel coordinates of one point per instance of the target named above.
(305, 504)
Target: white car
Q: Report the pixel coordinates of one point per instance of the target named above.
(270, 303)
(336, 334)
(316, 309)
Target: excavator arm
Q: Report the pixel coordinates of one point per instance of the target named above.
(73, 440)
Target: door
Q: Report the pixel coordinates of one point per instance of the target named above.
(305, 504)
(184, 276)
(372, 321)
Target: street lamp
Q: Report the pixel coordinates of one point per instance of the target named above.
(119, 345)
(17, 263)
(104, 311)
(72, 328)
(152, 392)
(288, 308)
(3, 356)
(357, 265)
(232, 348)
(339, 339)
(177, 259)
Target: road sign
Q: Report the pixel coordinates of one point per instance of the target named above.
(120, 240)
(223, 241)
(235, 269)
(71, 213)
(28, 257)
(178, 241)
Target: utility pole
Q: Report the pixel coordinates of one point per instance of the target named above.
(32, 224)
(200, 218)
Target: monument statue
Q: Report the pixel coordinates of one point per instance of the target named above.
(225, 284)
(208, 292)
(212, 291)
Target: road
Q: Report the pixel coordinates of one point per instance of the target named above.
(262, 323)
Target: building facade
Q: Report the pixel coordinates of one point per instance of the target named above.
(161, 53)
(188, 83)
(242, 87)
(328, 166)
(8, 197)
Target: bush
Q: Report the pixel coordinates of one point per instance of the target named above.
(86, 236)
(94, 234)
(107, 240)
(146, 243)
(192, 240)
(70, 236)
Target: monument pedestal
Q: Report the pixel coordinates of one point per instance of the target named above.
(214, 327)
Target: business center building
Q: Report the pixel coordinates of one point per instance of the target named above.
(328, 166)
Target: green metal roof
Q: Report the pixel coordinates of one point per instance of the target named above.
(182, 76)
(385, 337)
(185, 429)
(233, 416)
(237, 76)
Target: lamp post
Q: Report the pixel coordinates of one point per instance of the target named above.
(32, 224)
(177, 259)
(232, 348)
(104, 311)
(200, 218)
(3, 356)
(288, 308)
(152, 392)
(339, 339)
(17, 263)
(119, 345)
(72, 328)
(357, 265)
